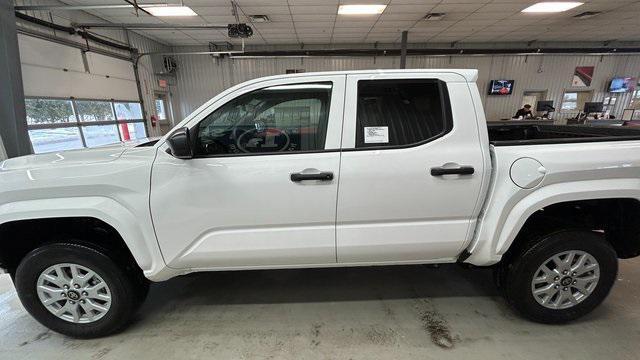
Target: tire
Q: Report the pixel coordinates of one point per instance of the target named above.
(557, 298)
(124, 296)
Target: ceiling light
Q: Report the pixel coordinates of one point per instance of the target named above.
(170, 11)
(361, 9)
(551, 7)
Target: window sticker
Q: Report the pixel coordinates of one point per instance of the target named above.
(376, 134)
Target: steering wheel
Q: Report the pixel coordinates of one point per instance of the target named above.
(247, 136)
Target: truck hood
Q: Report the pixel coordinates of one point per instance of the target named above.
(70, 157)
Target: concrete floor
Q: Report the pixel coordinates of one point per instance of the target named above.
(358, 313)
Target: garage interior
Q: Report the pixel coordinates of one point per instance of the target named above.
(87, 73)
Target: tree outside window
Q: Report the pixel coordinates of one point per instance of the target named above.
(63, 124)
(48, 111)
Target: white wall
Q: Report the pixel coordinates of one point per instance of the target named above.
(200, 77)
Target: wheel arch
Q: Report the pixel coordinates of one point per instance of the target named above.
(605, 205)
(63, 215)
(505, 216)
(615, 218)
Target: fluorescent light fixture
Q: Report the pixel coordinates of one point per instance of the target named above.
(170, 10)
(586, 15)
(361, 9)
(552, 7)
(434, 16)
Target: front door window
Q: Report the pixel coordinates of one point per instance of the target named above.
(286, 118)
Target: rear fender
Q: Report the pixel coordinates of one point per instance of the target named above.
(493, 241)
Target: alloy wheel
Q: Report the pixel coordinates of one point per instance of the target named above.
(565, 279)
(74, 293)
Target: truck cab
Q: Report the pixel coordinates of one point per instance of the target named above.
(355, 168)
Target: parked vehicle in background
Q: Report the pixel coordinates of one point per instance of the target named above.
(356, 168)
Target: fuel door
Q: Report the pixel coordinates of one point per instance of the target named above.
(527, 173)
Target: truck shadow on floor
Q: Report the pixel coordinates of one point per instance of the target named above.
(323, 285)
(368, 305)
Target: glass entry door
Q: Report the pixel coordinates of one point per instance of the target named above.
(164, 114)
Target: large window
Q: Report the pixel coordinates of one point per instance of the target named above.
(285, 118)
(65, 124)
(399, 112)
(574, 100)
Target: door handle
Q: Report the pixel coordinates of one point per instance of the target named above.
(322, 176)
(460, 170)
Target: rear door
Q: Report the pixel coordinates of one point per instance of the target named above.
(411, 168)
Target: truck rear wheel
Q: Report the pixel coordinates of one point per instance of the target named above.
(76, 290)
(561, 277)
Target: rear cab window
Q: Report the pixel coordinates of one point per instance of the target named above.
(399, 113)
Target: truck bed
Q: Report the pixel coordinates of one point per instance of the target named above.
(511, 134)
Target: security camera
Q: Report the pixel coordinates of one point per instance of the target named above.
(240, 31)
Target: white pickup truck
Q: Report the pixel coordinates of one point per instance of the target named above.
(354, 168)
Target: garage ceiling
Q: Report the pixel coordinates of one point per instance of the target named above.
(317, 21)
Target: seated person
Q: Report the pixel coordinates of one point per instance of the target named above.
(524, 112)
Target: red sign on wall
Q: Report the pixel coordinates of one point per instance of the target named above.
(162, 83)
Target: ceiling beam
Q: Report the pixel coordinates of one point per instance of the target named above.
(439, 52)
(146, 26)
(83, 7)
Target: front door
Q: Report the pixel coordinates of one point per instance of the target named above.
(261, 190)
(411, 170)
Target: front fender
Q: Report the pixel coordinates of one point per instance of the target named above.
(137, 233)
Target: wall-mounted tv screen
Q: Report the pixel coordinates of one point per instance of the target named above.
(501, 87)
(622, 84)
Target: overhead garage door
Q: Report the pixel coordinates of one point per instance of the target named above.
(75, 100)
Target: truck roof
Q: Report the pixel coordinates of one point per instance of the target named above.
(470, 75)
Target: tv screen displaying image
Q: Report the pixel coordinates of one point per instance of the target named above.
(622, 84)
(501, 87)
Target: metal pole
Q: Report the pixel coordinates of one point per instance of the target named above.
(13, 116)
(140, 95)
(403, 50)
(136, 73)
(75, 112)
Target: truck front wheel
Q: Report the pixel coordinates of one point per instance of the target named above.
(76, 290)
(561, 277)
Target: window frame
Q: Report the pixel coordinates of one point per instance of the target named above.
(335, 88)
(562, 102)
(445, 103)
(80, 124)
(578, 108)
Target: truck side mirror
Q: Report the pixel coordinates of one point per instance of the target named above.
(180, 144)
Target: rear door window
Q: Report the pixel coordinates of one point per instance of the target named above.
(400, 113)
